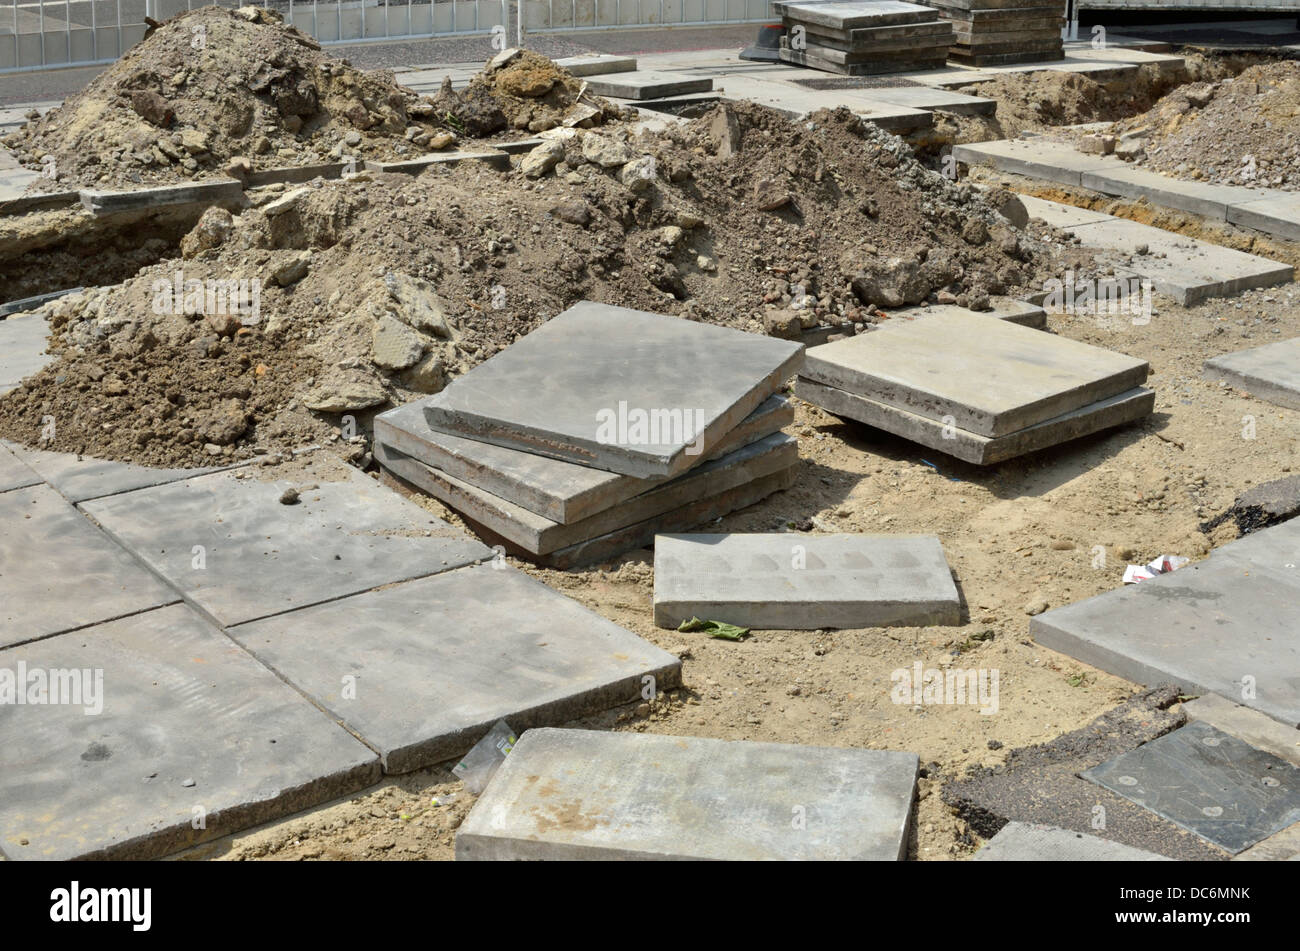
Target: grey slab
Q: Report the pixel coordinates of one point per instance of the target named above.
(22, 349)
(1031, 842)
(58, 572)
(597, 64)
(561, 491)
(538, 535)
(579, 794)
(1275, 546)
(1004, 308)
(191, 726)
(1035, 159)
(1208, 782)
(1061, 216)
(787, 581)
(1224, 625)
(260, 557)
(14, 473)
(1277, 214)
(854, 14)
(1199, 198)
(35, 301)
(1247, 725)
(867, 35)
(1187, 269)
(555, 391)
(214, 192)
(1105, 414)
(880, 64)
(437, 661)
(1270, 372)
(81, 478)
(938, 100)
(415, 166)
(648, 84)
(891, 51)
(988, 377)
(296, 174)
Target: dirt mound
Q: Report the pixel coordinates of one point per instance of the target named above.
(346, 297)
(215, 92)
(1242, 131)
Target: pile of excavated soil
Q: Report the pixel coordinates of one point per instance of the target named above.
(216, 92)
(1242, 131)
(370, 292)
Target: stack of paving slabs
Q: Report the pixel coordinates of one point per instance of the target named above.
(977, 389)
(863, 37)
(1000, 32)
(600, 429)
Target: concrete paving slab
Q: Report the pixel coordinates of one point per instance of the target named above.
(1199, 198)
(237, 553)
(563, 492)
(597, 64)
(437, 661)
(81, 478)
(191, 727)
(795, 582)
(1116, 54)
(538, 535)
(988, 377)
(58, 572)
(580, 794)
(296, 174)
(1273, 546)
(797, 102)
(415, 166)
(212, 193)
(853, 14)
(1208, 782)
(878, 65)
(1113, 411)
(1004, 308)
(585, 386)
(1029, 842)
(1218, 626)
(936, 100)
(1247, 725)
(1061, 216)
(1270, 373)
(14, 473)
(1277, 214)
(1033, 158)
(647, 84)
(1187, 269)
(22, 349)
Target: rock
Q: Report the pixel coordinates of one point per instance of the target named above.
(1010, 207)
(1097, 144)
(418, 304)
(528, 85)
(286, 202)
(194, 141)
(211, 232)
(1036, 607)
(706, 263)
(224, 424)
(293, 269)
(504, 58)
(223, 324)
(152, 107)
(440, 140)
(605, 151)
(353, 138)
(1200, 97)
(394, 345)
(345, 391)
(724, 132)
(579, 113)
(239, 167)
(639, 174)
(669, 236)
(892, 283)
(785, 324)
(769, 195)
(427, 376)
(542, 158)
(575, 211)
(289, 496)
(974, 231)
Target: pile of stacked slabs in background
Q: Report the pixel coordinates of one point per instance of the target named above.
(864, 38)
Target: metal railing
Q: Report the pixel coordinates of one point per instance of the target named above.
(42, 34)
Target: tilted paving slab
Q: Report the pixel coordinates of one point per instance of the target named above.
(191, 728)
(236, 552)
(1270, 373)
(988, 377)
(22, 349)
(1223, 625)
(422, 670)
(81, 478)
(563, 492)
(59, 572)
(1209, 782)
(647, 84)
(1033, 158)
(14, 473)
(1029, 842)
(1277, 214)
(574, 389)
(786, 581)
(538, 535)
(581, 794)
(1118, 410)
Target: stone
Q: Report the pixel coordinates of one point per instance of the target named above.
(638, 174)
(238, 554)
(293, 269)
(429, 375)
(152, 108)
(444, 658)
(561, 491)
(583, 794)
(1222, 626)
(785, 324)
(345, 391)
(1028, 842)
(724, 131)
(575, 211)
(394, 345)
(605, 150)
(59, 572)
(542, 159)
(537, 535)
(787, 581)
(987, 377)
(1270, 373)
(211, 232)
(191, 728)
(595, 64)
(1208, 782)
(567, 389)
(417, 304)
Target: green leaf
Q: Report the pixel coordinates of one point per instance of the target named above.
(728, 632)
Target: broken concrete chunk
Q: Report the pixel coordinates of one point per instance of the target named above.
(345, 391)
(605, 151)
(542, 159)
(394, 345)
(419, 305)
(293, 270)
